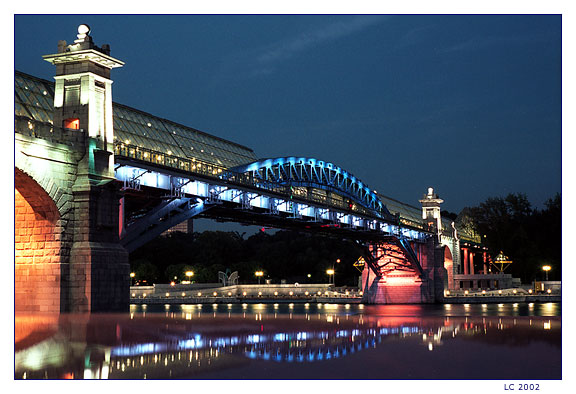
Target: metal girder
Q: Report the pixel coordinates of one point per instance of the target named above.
(176, 187)
(132, 183)
(246, 192)
(399, 249)
(315, 173)
(411, 254)
(160, 219)
(372, 262)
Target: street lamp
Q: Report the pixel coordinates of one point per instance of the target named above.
(546, 268)
(189, 274)
(330, 273)
(333, 272)
(259, 274)
(132, 276)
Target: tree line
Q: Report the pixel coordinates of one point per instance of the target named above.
(281, 255)
(531, 238)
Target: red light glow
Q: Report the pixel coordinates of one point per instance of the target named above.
(72, 123)
(395, 280)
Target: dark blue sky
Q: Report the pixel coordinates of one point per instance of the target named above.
(470, 105)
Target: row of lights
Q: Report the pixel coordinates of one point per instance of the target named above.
(158, 157)
(244, 294)
(258, 274)
(329, 272)
(466, 292)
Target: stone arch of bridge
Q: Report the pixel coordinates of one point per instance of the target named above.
(37, 233)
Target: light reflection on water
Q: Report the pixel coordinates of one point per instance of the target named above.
(509, 309)
(293, 341)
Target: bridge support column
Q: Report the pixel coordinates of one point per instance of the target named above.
(465, 251)
(398, 284)
(99, 277)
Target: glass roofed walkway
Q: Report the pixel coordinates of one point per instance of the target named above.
(139, 135)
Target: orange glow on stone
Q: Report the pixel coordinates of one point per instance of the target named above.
(72, 123)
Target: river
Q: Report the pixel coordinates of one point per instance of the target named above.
(294, 341)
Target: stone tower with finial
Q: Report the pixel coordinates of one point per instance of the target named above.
(98, 269)
(431, 210)
(83, 97)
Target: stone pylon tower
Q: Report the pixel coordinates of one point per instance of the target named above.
(431, 210)
(98, 265)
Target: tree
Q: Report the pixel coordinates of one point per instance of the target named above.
(529, 237)
(145, 271)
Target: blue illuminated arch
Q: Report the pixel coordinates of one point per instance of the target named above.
(310, 172)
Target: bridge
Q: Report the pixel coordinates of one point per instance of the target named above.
(95, 180)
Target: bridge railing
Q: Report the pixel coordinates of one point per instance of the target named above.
(47, 131)
(168, 160)
(415, 224)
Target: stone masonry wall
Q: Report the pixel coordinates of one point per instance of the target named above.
(67, 255)
(37, 256)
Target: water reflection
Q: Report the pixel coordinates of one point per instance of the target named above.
(195, 341)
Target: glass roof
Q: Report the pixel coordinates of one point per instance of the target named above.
(405, 210)
(34, 98)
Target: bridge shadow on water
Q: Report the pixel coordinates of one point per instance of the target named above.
(287, 342)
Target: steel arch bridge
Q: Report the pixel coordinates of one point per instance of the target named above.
(310, 172)
(289, 192)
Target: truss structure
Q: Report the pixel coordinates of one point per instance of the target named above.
(395, 254)
(252, 197)
(310, 172)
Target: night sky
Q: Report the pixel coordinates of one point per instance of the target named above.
(467, 104)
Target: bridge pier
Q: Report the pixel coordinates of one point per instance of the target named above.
(390, 280)
(68, 254)
(99, 269)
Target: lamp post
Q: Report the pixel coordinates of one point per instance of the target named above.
(334, 272)
(546, 268)
(189, 275)
(330, 275)
(259, 274)
(132, 276)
